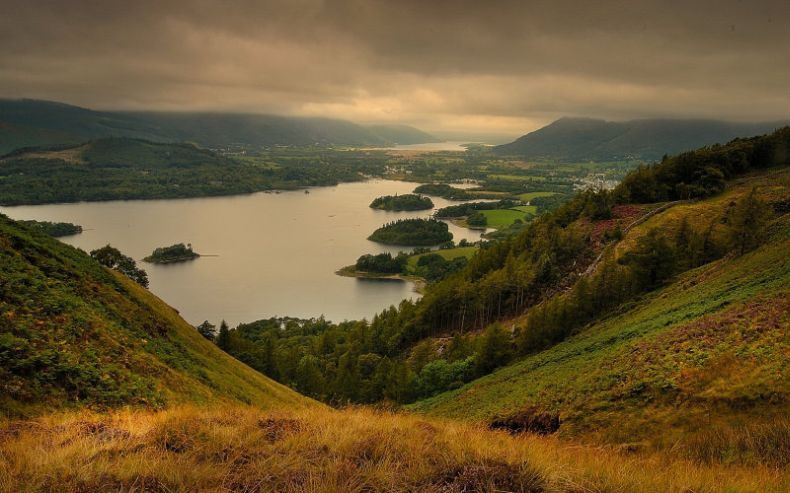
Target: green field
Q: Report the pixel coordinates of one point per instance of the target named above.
(517, 177)
(529, 209)
(526, 197)
(447, 254)
(502, 218)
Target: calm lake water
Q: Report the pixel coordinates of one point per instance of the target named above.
(431, 146)
(277, 253)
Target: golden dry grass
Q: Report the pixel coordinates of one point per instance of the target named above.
(318, 449)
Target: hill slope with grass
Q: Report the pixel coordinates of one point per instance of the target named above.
(75, 334)
(583, 139)
(710, 348)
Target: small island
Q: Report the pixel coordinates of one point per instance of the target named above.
(407, 202)
(53, 228)
(171, 254)
(413, 232)
(444, 191)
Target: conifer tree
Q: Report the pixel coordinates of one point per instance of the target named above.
(748, 222)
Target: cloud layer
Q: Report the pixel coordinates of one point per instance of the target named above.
(451, 67)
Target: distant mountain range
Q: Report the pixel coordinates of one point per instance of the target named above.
(28, 122)
(583, 139)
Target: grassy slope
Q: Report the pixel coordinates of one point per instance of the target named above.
(526, 197)
(73, 333)
(711, 347)
(502, 218)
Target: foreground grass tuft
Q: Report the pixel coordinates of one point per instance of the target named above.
(240, 448)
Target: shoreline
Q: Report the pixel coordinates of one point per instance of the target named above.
(351, 271)
(461, 223)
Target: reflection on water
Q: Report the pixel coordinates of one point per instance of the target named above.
(276, 254)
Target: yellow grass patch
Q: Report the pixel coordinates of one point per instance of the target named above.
(245, 449)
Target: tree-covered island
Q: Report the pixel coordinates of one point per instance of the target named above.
(412, 232)
(406, 202)
(171, 254)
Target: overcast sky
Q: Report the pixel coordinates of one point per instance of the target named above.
(450, 67)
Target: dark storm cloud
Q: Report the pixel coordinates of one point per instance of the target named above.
(482, 66)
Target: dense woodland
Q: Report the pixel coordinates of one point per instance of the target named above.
(406, 202)
(429, 265)
(444, 191)
(453, 334)
(412, 232)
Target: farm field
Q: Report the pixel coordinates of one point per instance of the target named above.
(526, 197)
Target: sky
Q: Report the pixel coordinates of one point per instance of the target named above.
(459, 69)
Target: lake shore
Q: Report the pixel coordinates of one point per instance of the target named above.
(351, 271)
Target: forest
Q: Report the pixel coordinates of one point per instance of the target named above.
(444, 191)
(429, 265)
(412, 232)
(405, 202)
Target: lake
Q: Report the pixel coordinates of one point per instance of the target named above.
(431, 146)
(276, 253)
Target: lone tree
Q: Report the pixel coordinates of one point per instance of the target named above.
(113, 258)
(223, 337)
(207, 330)
(748, 222)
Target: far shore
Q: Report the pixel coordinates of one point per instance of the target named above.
(351, 271)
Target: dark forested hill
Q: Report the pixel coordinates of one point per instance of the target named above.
(116, 168)
(583, 139)
(402, 134)
(25, 123)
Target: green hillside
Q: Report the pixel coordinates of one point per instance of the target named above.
(711, 347)
(74, 334)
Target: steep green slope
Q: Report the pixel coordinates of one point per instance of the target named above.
(712, 347)
(575, 139)
(73, 333)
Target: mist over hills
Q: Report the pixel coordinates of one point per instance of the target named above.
(28, 122)
(583, 139)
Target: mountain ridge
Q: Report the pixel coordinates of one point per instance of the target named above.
(582, 139)
(30, 123)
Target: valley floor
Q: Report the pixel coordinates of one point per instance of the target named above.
(318, 449)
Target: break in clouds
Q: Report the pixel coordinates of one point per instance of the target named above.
(471, 68)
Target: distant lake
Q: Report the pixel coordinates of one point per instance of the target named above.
(276, 252)
(431, 146)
